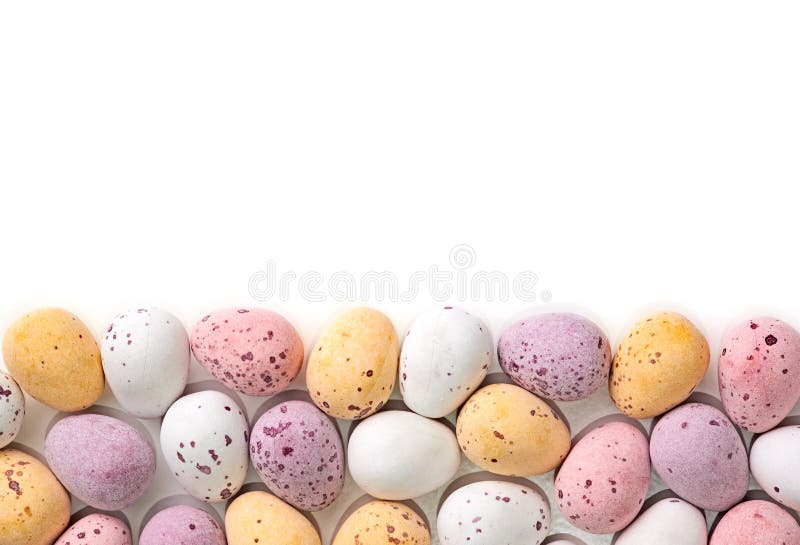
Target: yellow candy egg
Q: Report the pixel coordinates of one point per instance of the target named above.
(259, 517)
(383, 523)
(352, 369)
(53, 357)
(507, 430)
(34, 507)
(658, 365)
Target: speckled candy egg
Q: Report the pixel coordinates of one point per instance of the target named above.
(556, 355)
(204, 438)
(182, 525)
(444, 358)
(352, 368)
(146, 360)
(34, 507)
(382, 522)
(96, 529)
(428, 459)
(775, 464)
(54, 357)
(101, 460)
(698, 454)
(258, 517)
(297, 451)
(507, 430)
(493, 512)
(12, 409)
(253, 351)
(668, 522)
(603, 482)
(759, 372)
(659, 363)
(756, 522)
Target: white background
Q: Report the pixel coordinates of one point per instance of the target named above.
(635, 155)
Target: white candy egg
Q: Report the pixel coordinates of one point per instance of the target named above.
(399, 455)
(494, 513)
(444, 358)
(775, 464)
(204, 438)
(146, 360)
(667, 522)
(12, 409)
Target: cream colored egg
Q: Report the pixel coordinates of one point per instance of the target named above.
(383, 523)
(259, 517)
(507, 430)
(352, 368)
(34, 507)
(53, 357)
(12, 409)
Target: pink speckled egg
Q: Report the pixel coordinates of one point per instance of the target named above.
(298, 453)
(698, 453)
(100, 460)
(96, 529)
(603, 482)
(559, 356)
(759, 373)
(756, 522)
(253, 351)
(182, 525)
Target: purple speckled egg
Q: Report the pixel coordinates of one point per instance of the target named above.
(101, 460)
(559, 356)
(298, 453)
(253, 351)
(603, 482)
(698, 453)
(756, 522)
(182, 525)
(96, 529)
(759, 373)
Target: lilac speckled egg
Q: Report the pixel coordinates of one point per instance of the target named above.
(297, 451)
(101, 460)
(253, 351)
(603, 482)
(96, 529)
(756, 522)
(204, 439)
(698, 453)
(759, 373)
(182, 525)
(559, 356)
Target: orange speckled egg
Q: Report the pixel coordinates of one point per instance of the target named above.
(658, 365)
(353, 367)
(382, 523)
(507, 430)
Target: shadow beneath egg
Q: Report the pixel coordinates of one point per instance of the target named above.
(481, 476)
(30, 451)
(173, 501)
